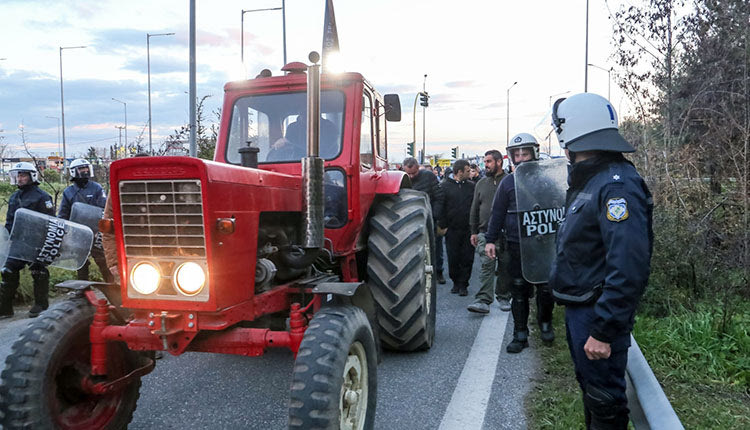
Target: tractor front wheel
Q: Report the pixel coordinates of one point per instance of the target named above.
(334, 383)
(42, 381)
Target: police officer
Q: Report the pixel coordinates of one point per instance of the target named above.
(523, 147)
(28, 196)
(85, 190)
(603, 253)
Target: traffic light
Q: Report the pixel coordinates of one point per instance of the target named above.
(424, 97)
(454, 152)
(410, 148)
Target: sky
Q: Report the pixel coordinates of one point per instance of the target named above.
(472, 51)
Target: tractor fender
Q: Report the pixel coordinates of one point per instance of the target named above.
(391, 181)
(110, 291)
(350, 293)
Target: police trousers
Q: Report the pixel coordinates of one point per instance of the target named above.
(605, 377)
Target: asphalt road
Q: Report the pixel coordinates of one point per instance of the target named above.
(466, 381)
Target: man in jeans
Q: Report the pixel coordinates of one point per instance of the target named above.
(481, 208)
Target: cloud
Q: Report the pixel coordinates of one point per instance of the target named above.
(461, 84)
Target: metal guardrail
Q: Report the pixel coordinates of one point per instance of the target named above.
(649, 406)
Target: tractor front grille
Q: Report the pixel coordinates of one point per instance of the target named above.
(162, 218)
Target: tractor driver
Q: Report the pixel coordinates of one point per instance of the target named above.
(293, 146)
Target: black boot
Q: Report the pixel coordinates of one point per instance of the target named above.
(83, 272)
(8, 289)
(41, 292)
(519, 342)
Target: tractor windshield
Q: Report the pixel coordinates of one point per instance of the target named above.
(276, 124)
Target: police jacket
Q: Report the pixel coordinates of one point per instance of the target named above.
(427, 182)
(504, 216)
(457, 204)
(604, 244)
(481, 205)
(29, 197)
(91, 193)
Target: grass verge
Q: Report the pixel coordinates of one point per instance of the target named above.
(705, 376)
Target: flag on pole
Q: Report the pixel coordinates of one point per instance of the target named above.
(330, 34)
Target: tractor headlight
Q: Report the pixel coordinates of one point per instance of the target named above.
(190, 278)
(145, 278)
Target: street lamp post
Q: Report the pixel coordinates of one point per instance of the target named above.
(242, 27)
(62, 100)
(148, 62)
(609, 78)
(126, 119)
(507, 114)
(58, 131)
(424, 118)
(586, 60)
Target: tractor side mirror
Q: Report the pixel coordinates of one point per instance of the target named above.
(392, 108)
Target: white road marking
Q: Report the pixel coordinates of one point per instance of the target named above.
(468, 404)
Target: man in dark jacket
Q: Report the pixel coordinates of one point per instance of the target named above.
(481, 208)
(603, 253)
(426, 181)
(459, 192)
(28, 196)
(85, 190)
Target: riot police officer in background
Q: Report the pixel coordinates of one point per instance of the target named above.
(603, 254)
(85, 190)
(29, 196)
(522, 147)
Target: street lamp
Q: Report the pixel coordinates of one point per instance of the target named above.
(148, 62)
(507, 114)
(609, 78)
(62, 102)
(586, 59)
(242, 27)
(58, 131)
(126, 119)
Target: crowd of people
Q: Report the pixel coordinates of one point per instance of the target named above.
(475, 213)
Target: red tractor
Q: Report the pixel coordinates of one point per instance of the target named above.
(295, 236)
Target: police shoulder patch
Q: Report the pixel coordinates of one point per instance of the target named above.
(617, 209)
(48, 204)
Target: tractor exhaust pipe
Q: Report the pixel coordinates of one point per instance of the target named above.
(312, 165)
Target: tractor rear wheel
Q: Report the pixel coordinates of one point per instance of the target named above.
(41, 384)
(399, 268)
(334, 383)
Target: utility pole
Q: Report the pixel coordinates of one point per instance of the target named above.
(507, 114)
(424, 117)
(119, 145)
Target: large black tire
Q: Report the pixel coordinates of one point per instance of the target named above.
(41, 383)
(334, 383)
(399, 270)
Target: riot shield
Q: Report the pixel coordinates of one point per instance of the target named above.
(88, 215)
(4, 245)
(39, 238)
(540, 198)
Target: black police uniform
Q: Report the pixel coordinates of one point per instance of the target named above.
(601, 270)
(86, 191)
(505, 217)
(33, 198)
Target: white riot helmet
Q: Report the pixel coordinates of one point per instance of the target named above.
(77, 165)
(587, 122)
(522, 140)
(23, 167)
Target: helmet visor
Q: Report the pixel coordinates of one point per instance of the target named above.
(545, 131)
